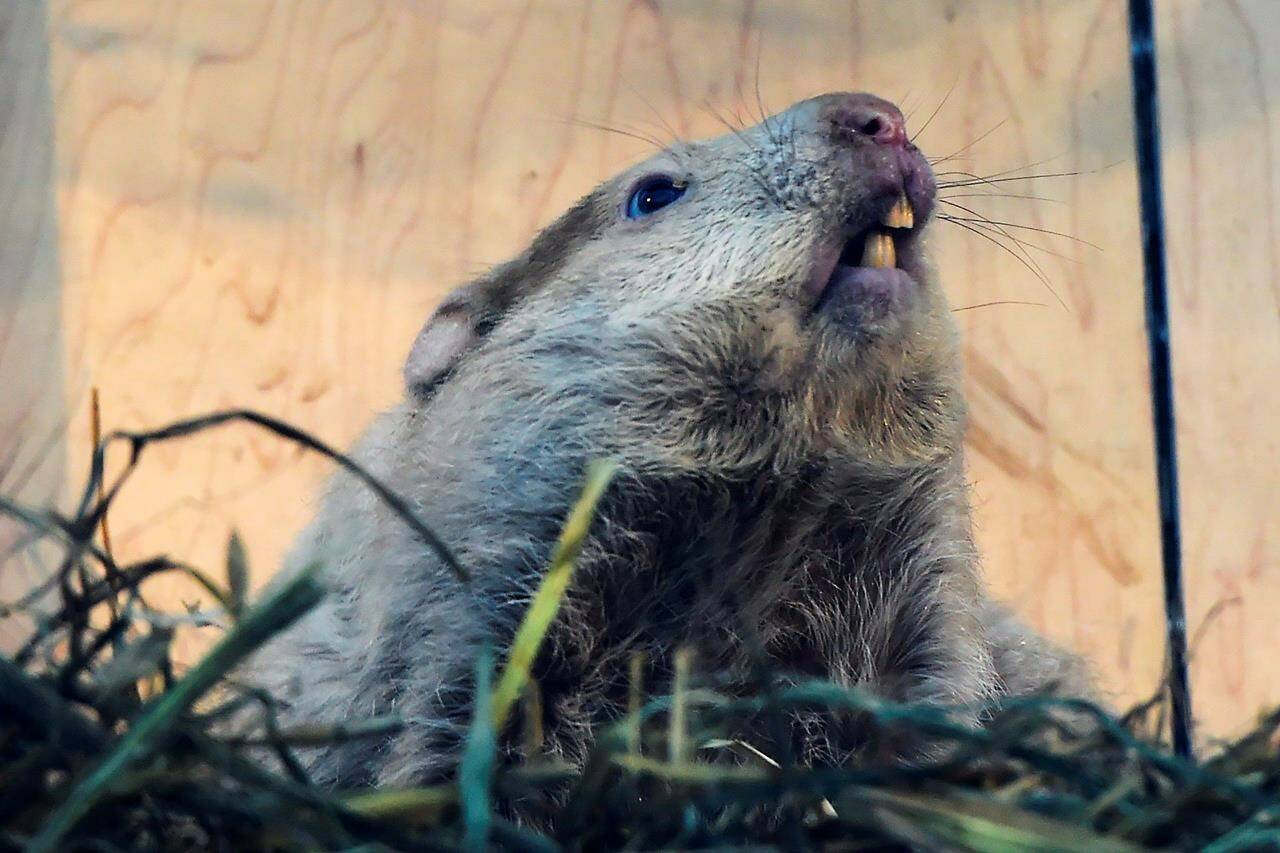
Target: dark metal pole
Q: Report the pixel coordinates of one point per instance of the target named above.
(1146, 115)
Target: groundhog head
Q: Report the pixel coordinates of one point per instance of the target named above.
(756, 298)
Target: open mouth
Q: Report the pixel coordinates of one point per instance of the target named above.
(878, 245)
(868, 278)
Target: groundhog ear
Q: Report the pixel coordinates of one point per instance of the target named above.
(453, 329)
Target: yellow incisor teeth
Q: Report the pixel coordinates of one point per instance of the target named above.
(901, 215)
(878, 251)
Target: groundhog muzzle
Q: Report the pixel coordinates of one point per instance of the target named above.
(752, 328)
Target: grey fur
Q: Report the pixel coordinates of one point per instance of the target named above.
(787, 484)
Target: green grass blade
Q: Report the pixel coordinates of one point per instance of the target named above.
(546, 601)
(475, 773)
(986, 825)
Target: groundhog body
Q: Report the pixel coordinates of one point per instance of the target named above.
(781, 389)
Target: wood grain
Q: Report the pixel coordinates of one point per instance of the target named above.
(1221, 122)
(261, 201)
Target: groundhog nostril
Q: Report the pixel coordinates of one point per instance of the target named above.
(883, 123)
(863, 116)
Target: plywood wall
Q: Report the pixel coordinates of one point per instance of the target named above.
(1221, 78)
(259, 203)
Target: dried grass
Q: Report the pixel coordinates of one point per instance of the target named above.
(104, 746)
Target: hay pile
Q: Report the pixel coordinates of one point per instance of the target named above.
(104, 746)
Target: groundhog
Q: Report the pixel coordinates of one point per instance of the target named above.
(751, 327)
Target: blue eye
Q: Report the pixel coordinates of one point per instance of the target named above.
(654, 194)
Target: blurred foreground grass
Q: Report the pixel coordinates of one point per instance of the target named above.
(103, 746)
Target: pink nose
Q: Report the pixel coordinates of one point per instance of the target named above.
(863, 115)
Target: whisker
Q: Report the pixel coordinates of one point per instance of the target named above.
(999, 177)
(1015, 245)
(907, 112)
(1051, 232)
(707, 106)
(633, 134)
(1097, 171)
(1022, 244)
(993, 181)
(756, 173)
(982, 218)
(711, 110)
(1030, 266)
(935, 112)
(998, 302)
(1005, 195)
(985, 221)
(955, 154)
(764, 115)
(675, 136)
(1006, 172)
(1010, 172)
(1021, 168)
(970, 179)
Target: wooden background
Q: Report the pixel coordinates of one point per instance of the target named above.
(257, 204)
